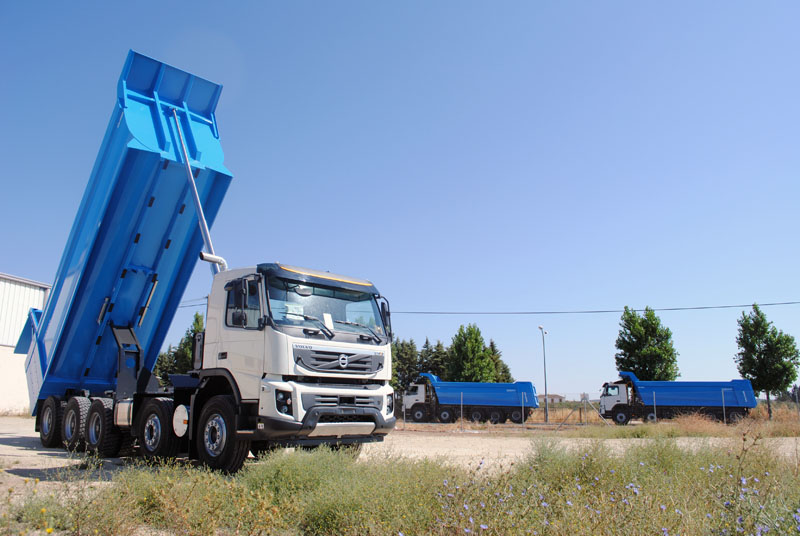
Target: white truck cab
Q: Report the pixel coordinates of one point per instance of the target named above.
(613, 395)
(307, 354)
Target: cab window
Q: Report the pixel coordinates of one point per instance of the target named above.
(243, 310)
(612, 390)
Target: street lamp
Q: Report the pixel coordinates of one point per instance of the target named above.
(544, 357)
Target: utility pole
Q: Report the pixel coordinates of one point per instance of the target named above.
(544, 357)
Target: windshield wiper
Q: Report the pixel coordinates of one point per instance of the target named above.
(322, 325)
(374, 335)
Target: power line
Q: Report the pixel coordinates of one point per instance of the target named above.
(590, 311)
(202, 303)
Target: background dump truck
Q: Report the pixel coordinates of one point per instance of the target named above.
(494, 402)
(631, 398)
(290, 356)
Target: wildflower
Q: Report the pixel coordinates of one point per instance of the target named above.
(466, 506)
(49, 530)
(625, 502)
(708, 516)
(612, 471)
(678, 512)
(467, 531)
(400, 534)
(470, 520)
(641, 463)
(544, 504)
(740, 520)
(665, 531)
(743, 481)
(663, 507)
(569, 503)
(450, 495)
(483, 505)
(484, 527)
(44, 510)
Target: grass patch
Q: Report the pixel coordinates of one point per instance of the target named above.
(656, 488)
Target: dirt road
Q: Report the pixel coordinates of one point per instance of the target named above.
(22, 456)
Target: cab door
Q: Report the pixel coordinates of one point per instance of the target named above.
(241, 348)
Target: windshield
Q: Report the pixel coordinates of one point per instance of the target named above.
(317, 307)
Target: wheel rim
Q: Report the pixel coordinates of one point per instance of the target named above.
(95, 428)
(621, 417)
(445, 415)
(476, 416)
(494, 417)
(47, 420)
(70, 425)
(418, 415)
(215, 435)
(516, 416)
(152, 432)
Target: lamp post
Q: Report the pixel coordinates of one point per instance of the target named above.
(544, 358)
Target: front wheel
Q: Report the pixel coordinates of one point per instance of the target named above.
(419, 413)
(622, 417)
(219, 447)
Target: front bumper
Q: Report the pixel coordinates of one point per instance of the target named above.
(342, 425)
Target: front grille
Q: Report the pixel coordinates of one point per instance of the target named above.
(345, 418)
(335, 361)
(310, 400)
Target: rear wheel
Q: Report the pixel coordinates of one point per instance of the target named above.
(52, 413)
(651, 417)
(476, 415)
(496, 416)
(72, 425)
(735, 416)
(419, 413)
(516, 416)
(102, 436)
(155, 434)
(446, 415)
(219, 447)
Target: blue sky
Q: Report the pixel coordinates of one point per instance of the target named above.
(464, 156)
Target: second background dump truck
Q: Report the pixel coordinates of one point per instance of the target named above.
(631, 398)
(432, 398)
(290, 356)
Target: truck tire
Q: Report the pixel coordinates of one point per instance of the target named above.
(52, 413)
(102, 435)
(419, 413)
(157, 440)
(622, 416)
(651, 417)
(516, 416)
(72, 425)
(218, 447)
(476, 415)
(496, 416)
(735, 416)
(446, 415)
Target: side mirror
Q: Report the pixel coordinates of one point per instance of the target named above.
(239, 319)
(387, 316)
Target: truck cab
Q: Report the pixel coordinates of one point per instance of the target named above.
(614, 401)
(306, 353)
(415, 400)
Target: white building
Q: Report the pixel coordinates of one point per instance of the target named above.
(17, 297)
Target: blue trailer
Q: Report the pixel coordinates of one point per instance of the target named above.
(631, 398)
(266, 371)
(493, 402)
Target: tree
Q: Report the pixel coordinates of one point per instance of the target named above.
(433, 359)
(502, 373)
(645, 347)
(767, 356)
(469, 358)
(178, 360)
(405, 364)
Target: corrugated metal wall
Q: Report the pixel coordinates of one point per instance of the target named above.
(17, 296)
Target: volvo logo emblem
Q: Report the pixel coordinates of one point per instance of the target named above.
(343, 360)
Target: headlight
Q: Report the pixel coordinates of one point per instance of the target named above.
(390, 403)
(283, 402)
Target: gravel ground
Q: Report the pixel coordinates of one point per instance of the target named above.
(22, 456)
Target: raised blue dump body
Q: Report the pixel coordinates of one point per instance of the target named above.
(731, 394)
(483, 394)
(135, 239)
